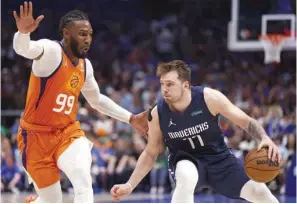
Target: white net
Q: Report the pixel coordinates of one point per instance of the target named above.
(272, 46)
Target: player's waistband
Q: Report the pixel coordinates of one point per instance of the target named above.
(40, 128)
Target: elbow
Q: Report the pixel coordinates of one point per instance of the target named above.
(94, 101)
(20, 50)
(245, 123)
(16, 48)
(93, 96)
(93, 105)
(19, 46)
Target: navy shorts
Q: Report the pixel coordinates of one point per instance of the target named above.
(223, 173)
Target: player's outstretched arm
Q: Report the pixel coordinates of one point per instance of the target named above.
(146, 160)
(26, 25)
(105, 105)
(218, 103)
(47, 53)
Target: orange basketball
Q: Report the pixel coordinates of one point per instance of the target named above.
(259, 168)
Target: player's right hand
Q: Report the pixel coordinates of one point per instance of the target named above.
(120, 190)
(273, 151)
(25, 21)
(140, 123)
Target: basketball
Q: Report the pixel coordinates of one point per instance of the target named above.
(259, 168)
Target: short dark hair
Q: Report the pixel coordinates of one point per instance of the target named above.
(68, 18)
(182, 69)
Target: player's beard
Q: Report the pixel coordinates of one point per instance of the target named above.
(75, 49)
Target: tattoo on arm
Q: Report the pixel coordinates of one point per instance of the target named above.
(255, 129)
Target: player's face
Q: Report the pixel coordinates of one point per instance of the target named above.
(172, 87)
(80, 38)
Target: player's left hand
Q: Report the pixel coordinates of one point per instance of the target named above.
(25, 21)
(120, 190)
(140, 122)
(273, 151)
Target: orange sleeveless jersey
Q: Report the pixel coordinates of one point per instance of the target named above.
(52, 101)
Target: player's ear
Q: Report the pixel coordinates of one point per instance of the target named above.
(65, 32)
(187, 84)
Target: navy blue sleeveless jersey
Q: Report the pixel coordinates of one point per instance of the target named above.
(195, 135)
(195, 130)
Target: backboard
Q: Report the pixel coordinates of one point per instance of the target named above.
(252, 18)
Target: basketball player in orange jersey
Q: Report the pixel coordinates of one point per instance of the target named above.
(49, 137)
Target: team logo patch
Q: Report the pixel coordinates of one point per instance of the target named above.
(171, 123)
(196, 113)
(74, 81)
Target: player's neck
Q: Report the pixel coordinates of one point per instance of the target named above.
(69, 53)
(182, 105)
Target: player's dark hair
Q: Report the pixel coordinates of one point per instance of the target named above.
(182, 69)
(68, 18)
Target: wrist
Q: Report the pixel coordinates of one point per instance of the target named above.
(130, 185)
(23, 33)
(132, 116)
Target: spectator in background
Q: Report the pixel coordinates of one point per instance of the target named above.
(159, 175)
(164, 43)
(273, 121)
(103, 126)
(10, 175)
(102, 153)
(6, 149)
(122, 163)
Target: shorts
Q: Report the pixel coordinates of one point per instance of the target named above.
(40, 150)
(222, 173)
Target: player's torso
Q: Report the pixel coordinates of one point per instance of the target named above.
(194, 130)
(52, 101)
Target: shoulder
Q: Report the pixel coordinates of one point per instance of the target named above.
(88, 62)
(89, 68)
(211, 94)
(49, 60)
(47, 43)
(213, 98)
(198, 88)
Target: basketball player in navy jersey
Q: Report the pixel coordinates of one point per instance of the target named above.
(186, 120)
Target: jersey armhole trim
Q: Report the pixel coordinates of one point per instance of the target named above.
(39, 56)
(85, 68)
(204, 101)
(150, 117)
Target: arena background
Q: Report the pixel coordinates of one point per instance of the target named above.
(218, 39)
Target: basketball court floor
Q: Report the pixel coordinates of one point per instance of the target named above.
(141, 198)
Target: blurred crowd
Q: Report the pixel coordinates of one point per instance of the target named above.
(125, 53)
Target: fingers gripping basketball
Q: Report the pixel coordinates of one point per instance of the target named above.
(259, 167)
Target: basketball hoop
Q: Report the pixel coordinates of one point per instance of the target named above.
(273, 44)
